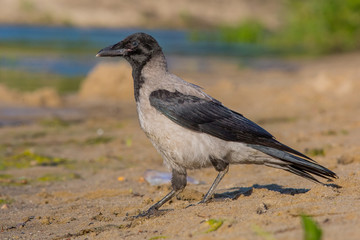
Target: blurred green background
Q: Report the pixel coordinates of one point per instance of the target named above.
(307, 27)
(53, 43)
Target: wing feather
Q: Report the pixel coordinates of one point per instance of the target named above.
(211, 117)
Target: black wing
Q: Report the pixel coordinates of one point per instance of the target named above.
(211, 117)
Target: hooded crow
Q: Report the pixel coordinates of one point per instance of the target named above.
(191, 130)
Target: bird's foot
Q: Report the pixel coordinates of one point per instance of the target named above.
(151, 212)
(195, 204)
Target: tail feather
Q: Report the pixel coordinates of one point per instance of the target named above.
(290, 150)
(297, 165)
(303, 174)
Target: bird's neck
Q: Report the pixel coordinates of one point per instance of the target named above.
(152, 67)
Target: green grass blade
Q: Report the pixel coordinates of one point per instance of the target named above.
(311, 229)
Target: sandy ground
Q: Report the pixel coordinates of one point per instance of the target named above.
(311, 105)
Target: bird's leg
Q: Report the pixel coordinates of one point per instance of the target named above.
(218, 178)
(222, 167)
(178, 183)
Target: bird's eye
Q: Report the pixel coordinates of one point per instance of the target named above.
(134, 44)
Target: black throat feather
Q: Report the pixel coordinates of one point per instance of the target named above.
(137, 67)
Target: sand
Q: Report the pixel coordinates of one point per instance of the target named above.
(313, 106)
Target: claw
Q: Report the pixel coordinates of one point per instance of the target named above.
(191, 205)
(195, 204)
(151, 212)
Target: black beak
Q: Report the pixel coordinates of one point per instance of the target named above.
(112, 51)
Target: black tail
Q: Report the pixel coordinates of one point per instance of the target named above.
(297, 165)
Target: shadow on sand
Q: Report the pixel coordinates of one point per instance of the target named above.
(234, 193)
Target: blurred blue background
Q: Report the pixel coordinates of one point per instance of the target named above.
(53, 43)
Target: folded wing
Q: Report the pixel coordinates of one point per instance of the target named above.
(211, 117)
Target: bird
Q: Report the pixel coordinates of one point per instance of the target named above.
(192, 130)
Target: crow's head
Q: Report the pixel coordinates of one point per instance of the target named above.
(137, 49)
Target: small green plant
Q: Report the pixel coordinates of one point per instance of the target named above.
(329, 132)
(311, 229)
(344, 132)
(158, 237)
(98, 140)
(313, 152)
(54, 122)
(28, 159)
(214, 224)
(5, 176)
(58, 177)
(5, 179)
(9, 180)
(262, 233)
(33, 135)
(6, 201)
(128, 142)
